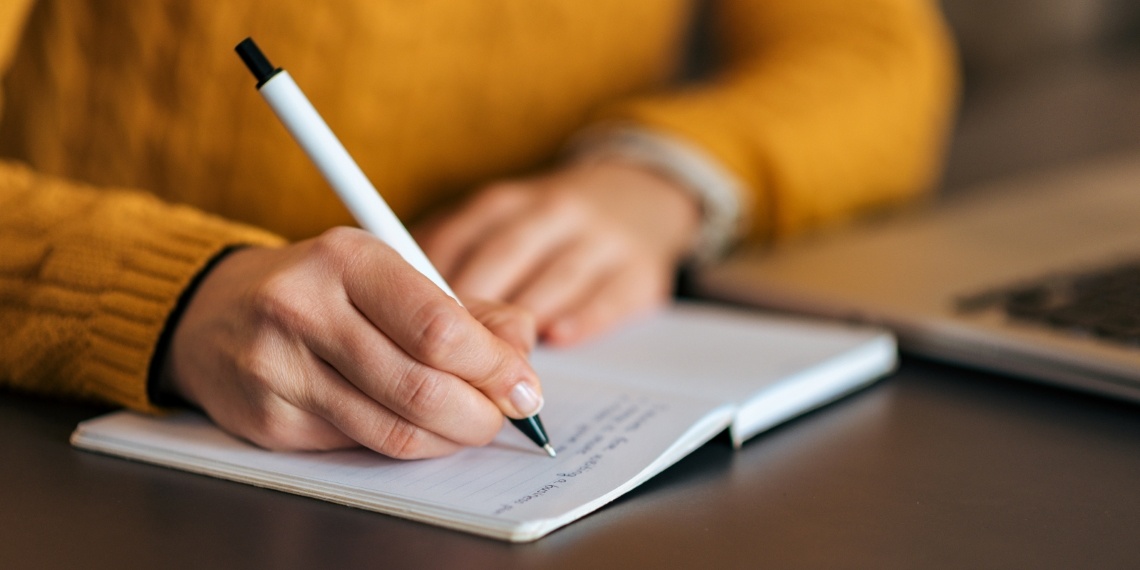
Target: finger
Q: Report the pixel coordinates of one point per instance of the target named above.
(511, 323)
(371, 424)
(631, 291)
(506, 256)
(448, 239)
(252, 395)
(380, 371)
(436, 331)
(566, 278)
(281, 426)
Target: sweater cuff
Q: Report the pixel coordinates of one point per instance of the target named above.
(157, 390)
(161, 261)
(724, 204)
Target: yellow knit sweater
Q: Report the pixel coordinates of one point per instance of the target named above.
(136, 148)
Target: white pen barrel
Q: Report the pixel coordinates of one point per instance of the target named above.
(342, 173)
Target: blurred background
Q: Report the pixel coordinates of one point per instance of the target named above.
(1046, 82)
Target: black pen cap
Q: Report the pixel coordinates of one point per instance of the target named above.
(256, 61)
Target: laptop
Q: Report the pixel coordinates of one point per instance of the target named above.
(1036, 276)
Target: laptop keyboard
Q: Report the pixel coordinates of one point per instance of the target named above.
(1103, 303)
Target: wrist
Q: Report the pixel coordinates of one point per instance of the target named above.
(723, 204)
(161, 388)
(676, 213)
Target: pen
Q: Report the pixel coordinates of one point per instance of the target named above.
(349, 182)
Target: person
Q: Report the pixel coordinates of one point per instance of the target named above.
(165, 242)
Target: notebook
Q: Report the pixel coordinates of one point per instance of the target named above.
(1036, 276)
(618, 410)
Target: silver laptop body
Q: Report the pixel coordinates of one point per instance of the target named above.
(927, 274)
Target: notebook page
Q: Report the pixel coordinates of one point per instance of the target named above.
(725, 354)
(607, 437)
(771, 368)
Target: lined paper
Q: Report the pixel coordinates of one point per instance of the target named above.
(606, 436)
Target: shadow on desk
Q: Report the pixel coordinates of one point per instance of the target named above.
(935, 467)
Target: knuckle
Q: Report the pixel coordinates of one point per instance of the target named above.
(268, 428)
(263, 366)
(401, 440)
(338, 238)
(340, 246)
(440, 335)
(503, 195)
(506, 245)
(277, 300)
(516, 316)
(564, 204)
(254, 369)
(518, 324)
(274, 437)
(421, 391)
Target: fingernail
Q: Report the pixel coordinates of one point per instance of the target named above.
(525, 400)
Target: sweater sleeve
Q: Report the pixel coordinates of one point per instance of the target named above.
(89, 275)
(821, 108)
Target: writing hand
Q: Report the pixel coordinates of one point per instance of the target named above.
(582, 248)
(336, 342)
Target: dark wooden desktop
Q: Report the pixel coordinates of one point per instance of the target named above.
(936, 467)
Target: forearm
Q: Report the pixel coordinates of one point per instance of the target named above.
(822, 108)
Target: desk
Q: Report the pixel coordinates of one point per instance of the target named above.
(936, 467)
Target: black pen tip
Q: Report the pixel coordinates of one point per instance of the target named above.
(532, 427)
(256, 61)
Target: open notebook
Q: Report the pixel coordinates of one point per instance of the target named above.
(618, 411)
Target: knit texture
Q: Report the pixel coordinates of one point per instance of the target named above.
(822, 107)
(87, 279)
(827, 108)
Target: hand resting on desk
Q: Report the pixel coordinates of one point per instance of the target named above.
(336, 342)
(584, 247)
